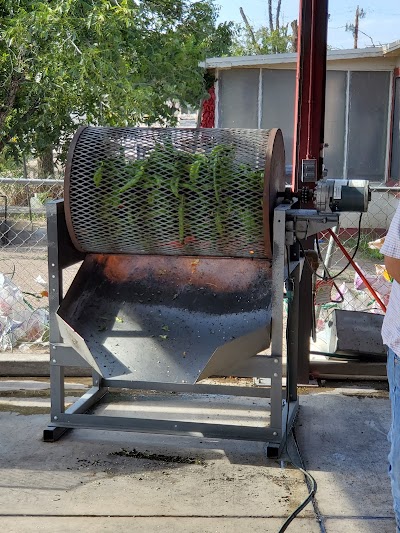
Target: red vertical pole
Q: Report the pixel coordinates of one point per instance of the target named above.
(310, 93)
(309, 141)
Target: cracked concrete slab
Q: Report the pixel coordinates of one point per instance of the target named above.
(84, 483)
(344, 443)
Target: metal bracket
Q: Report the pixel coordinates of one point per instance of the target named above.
(309, 222)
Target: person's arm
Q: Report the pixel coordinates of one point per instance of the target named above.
(393, 267)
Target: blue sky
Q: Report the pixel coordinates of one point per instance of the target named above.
(382, 21)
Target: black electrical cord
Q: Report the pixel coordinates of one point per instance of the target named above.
(326, 276)
(311, 483)
(327, 273)
(352, 257)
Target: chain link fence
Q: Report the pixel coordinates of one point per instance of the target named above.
(23, 260)
(362, 238)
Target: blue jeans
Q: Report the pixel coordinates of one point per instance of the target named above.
(393, 372)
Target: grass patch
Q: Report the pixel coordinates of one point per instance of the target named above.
(364, 250)
(24, 410)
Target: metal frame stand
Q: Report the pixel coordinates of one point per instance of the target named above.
(283, 399)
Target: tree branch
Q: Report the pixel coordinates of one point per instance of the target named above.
(295, 34)
(278, 14)
(271, 19)
(250, 30)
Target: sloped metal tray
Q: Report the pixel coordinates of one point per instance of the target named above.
(167, 319)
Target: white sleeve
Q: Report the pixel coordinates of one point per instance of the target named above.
(391, 246)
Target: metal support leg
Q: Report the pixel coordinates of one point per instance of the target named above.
(55, 225)
(292, 336)
(278, 267)
(281, 419)
(57, 392)
(305, 320)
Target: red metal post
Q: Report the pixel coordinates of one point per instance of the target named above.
(310, 93)
(309, 139)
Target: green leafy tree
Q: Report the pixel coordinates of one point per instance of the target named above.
(103, 62)
(265, 42)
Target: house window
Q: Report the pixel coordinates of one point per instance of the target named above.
(356, 115)
(277, 111)
(335, 122)
(368, 123)
(238, 98)
(395, 162)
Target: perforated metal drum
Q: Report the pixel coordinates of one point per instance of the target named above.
(167, 191)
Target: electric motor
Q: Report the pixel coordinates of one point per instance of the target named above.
(331, 196)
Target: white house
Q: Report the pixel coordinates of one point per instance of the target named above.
(362, 119)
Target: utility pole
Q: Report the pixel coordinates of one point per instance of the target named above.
(360, 14)
(355, 28)
(356, 25)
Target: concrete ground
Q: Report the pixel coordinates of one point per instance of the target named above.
(89, 481)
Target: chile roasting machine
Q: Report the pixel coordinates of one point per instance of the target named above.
(188, 240)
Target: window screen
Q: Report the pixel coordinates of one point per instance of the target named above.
(278, 94)
(335, 123)
(395, 164)
(368, 115)
(238, 98)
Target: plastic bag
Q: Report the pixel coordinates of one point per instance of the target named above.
(11, 296)
(18, 321)
(32, 326)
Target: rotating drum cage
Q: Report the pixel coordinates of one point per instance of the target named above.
(195, 192)
(174, 227)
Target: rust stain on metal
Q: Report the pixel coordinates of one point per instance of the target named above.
(194, 264)
(224, 275)
(67, 190)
